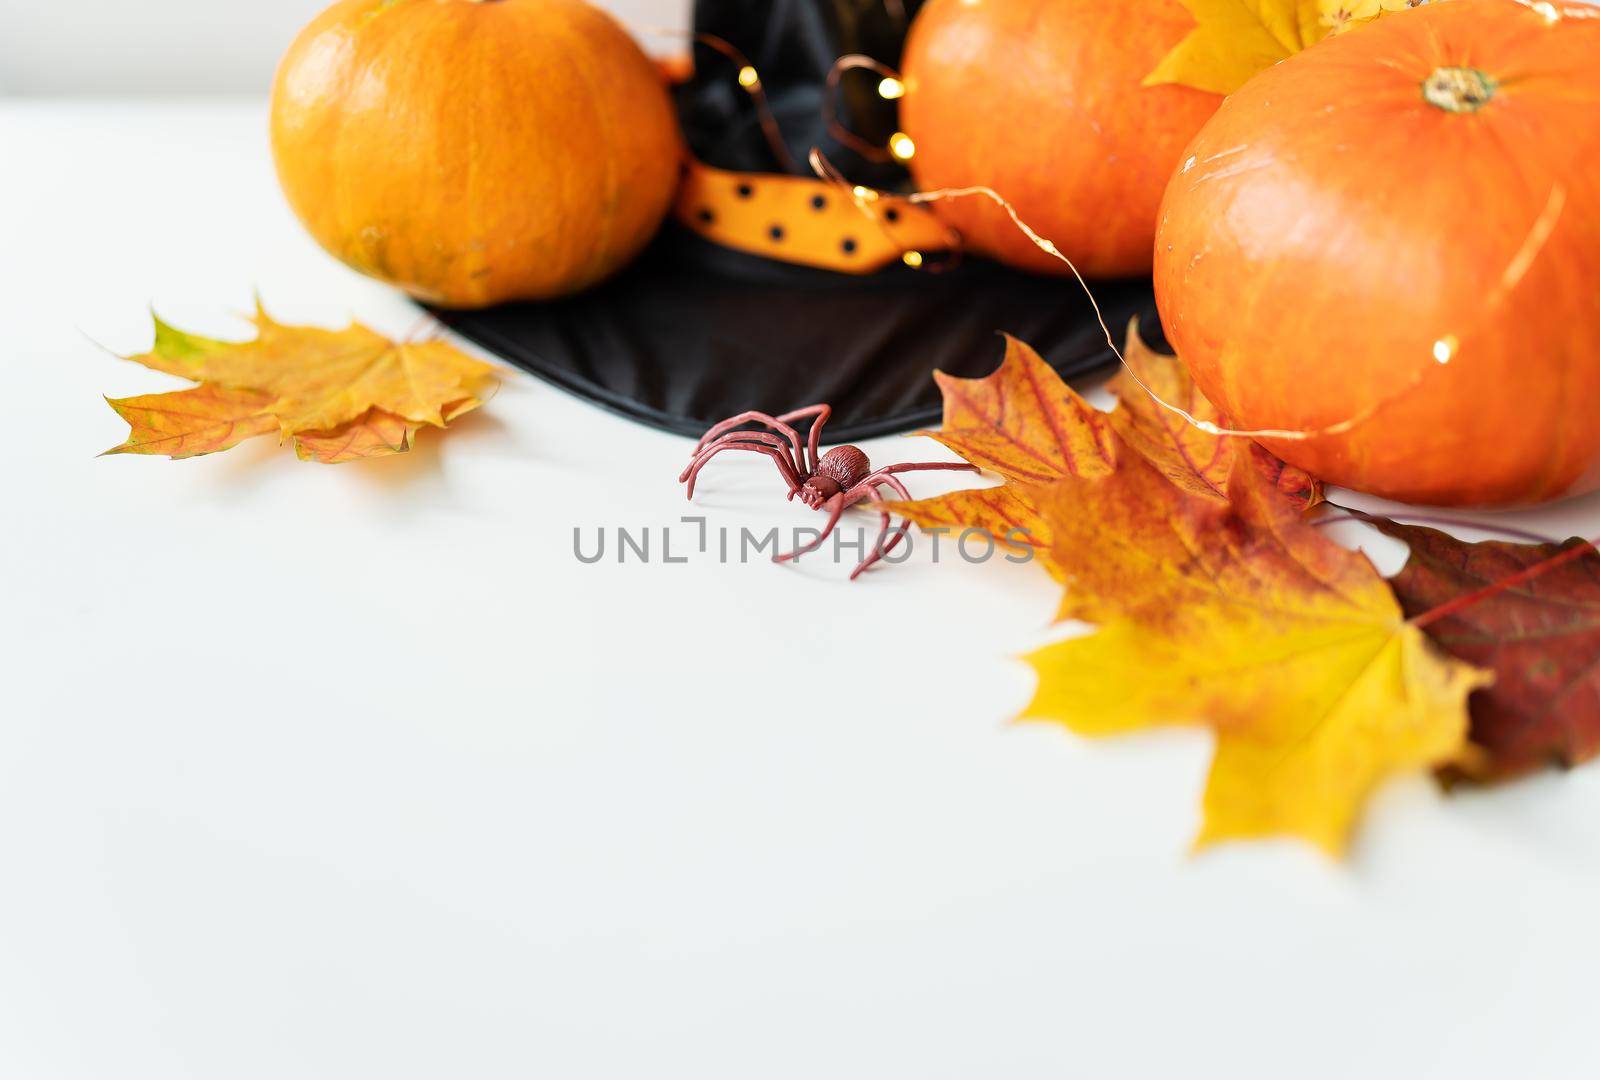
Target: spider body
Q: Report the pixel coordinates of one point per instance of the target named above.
(832, 482)
(840, 469)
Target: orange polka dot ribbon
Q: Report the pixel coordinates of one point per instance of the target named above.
(797, 219)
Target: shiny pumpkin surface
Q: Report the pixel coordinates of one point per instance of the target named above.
(474, 151)
(1042, 101)
(1401, 227)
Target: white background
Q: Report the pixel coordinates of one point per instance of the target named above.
(356, 772)
(184, 47)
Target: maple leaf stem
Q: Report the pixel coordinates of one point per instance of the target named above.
(1347, 513)
(1460, 603)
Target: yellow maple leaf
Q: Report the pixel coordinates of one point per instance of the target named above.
(338, 395)
(1234, 39)
(1342, 15)
(319, 379)
(1242, 616)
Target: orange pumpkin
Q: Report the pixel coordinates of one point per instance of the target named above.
(1401, 227)
(1042, 101)
(475, 151)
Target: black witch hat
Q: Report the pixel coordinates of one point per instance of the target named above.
(754, 295)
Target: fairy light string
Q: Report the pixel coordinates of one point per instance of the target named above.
(1553, 14)
(863, 199)
(1538, 236)
(902, 148)
(748, 79)
(890, 88)
(1444, 349)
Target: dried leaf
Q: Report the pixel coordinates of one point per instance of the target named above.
(1541, 638)
(1025, 424)
(320, 379)
(1234, 39)
(1009, 513)
(1191, 457)
(187, 423)
(340, 395)
(1245, 618)
(377, 434)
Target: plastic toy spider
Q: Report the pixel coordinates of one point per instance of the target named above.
(834, 481)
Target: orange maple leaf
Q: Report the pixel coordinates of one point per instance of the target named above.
(187, 423)
(1026, 425)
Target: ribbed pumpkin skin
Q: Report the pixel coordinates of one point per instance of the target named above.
(474, 152)
(1331, 229)
(1041, 100)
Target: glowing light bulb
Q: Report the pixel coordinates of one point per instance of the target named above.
(748, 77)
(891, 88)
(901, 146)
(1444, 350)
(912, 259)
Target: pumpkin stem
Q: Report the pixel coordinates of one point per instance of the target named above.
(1458, 89)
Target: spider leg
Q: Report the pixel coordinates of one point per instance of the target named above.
(778, 458)
(762, 418)
(921, 466)
(814, 441)
(886, 477)
(793, 474)
(737, 437)
(836, 507)
(880, 549)
(777, 455)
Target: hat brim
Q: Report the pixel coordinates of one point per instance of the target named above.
(692, 333)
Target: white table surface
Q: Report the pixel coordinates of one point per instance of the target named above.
(357, 772)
